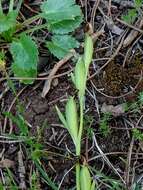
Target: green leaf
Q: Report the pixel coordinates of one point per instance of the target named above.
(8, 35)
(19, 121)
(140, 97)
(25, 56)
(138, 3)
(61, 117)
(130, 16)
(138, 135)
(80, 77)
(88, 51)
(7, 21)
(63, 16)
(85, 178)
(60, 10)
(45, 176)
(65, 26)
(61, 45)
(72, 118)
(93, 186)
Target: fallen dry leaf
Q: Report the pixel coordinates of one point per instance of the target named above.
(114, 28)
(133, 34)
(114, 110)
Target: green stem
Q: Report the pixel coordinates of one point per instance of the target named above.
(11, 6)
(78, 148)
(19, 6)
(27, 22)
(77, 176)
(1, 10)
(30, 20)
(35, 28)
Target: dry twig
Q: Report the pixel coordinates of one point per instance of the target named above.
(94, 12)
(112, 57)
(22, 172)
(48, 82)
(106, 159)
(134, 33)
(128, 169)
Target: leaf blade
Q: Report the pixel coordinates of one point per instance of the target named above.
(25, 56)
(61, 117)
(7, 21)
(61, 45)
(63, 16)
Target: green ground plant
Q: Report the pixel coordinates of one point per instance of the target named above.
(10, 182)
(134, 107)
(35, 149)
(137, 134)
(33, 144)
(132, 14)
(110, 183)
(104, 124)
(61, 18)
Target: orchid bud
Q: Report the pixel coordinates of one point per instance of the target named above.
(88, 51)
(80, 77)
(72, 118)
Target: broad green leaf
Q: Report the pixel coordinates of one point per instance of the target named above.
(8, 35)
(60, 10)
(65, 26)
(7, 21)
(61, 45)
(25, 58)
(63, 16)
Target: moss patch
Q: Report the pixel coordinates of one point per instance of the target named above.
(118, 80)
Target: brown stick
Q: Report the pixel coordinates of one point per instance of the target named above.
(48, 82)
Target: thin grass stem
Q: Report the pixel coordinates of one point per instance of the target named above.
(35, 28)
(19, 6)
(78, 148)
(32, 19)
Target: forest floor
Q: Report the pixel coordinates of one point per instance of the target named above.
(112, 144)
